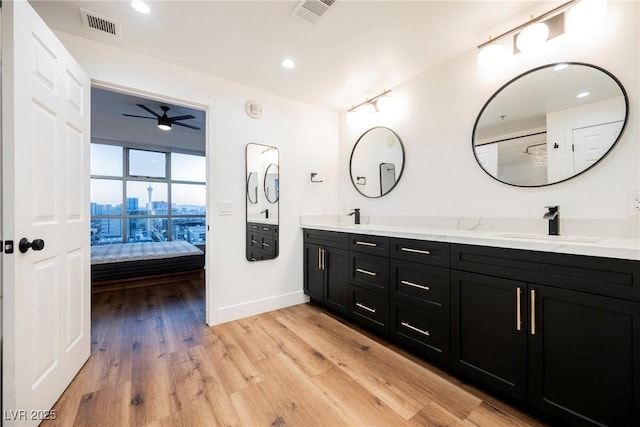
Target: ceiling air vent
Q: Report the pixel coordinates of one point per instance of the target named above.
(312, 10)
(100, 23)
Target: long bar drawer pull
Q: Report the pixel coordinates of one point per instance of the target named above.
(372, 310)
(533, 312)
(367, 272)
(358, 242)
(266, 229)
(518, 316)
(415, 251)
(413, 328)
(415, 285)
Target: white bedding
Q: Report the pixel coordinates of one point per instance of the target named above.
(140, 251)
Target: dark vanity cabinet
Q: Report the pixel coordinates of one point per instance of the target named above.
(262, 241)
(420, 297)
(561, 332)
(326, 266)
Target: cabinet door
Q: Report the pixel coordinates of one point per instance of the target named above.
(584, 357)
(336, 293)
(313, 272)
(488, 344)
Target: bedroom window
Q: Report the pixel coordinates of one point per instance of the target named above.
(146, 196)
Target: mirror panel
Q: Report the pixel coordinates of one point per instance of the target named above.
(550, 124)
(377, 162)
(262, 206)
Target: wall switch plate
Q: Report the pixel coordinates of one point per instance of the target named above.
(633, 208)
(225, 208)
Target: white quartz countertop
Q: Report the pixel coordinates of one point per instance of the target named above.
(609, 247)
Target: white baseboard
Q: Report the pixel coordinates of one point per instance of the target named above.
(252, 308)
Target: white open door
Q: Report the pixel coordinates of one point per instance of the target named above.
(45, 154)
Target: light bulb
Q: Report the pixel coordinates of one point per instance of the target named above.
(385, 103)
(367, 110)
(164, 127)
(492, 57)
(585, 16)
(532, 37)
(288, 63)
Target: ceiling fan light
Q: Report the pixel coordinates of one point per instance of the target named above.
(532, 37)
(164, 127)
(164, 123)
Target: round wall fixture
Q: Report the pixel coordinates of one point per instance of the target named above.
(253, 109)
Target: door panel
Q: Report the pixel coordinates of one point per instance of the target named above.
(46, 127)
(575, 372)
(314, 275)
(336, 293)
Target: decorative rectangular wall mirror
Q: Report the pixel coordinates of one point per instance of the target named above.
(263, 199)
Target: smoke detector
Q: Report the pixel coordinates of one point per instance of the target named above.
(312, 10)
(100, 23)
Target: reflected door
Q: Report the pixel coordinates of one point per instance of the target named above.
(387, 177)
(591, 143)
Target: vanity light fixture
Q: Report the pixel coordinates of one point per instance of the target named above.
(534, 33)
(141, 6)
(369, 107)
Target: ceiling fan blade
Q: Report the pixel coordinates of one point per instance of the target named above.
(187, 126)
(140, 117)
(188, 116)
(149, 110)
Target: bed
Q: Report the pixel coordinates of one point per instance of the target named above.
(130, 260)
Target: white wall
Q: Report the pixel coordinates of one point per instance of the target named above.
(306, 136)
(435, 117)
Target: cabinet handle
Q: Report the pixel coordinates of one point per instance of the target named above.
(372, 310)
(518, 317)
(367, 272)
(265, 244)
(416, 251)
(358, 242)
(266, 229)
(415, 285)
(254, 241)
(533, 312)
(413, 328)
(324, 259)
(319, 258)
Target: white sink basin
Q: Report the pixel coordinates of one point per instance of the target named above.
(545, 238)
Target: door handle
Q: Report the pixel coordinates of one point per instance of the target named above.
(25, 244)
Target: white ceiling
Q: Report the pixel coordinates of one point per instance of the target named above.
(356, 50)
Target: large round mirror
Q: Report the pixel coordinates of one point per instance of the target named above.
(550, 124)
(377, 161)
(271, 183)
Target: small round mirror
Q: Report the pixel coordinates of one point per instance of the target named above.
(550, 124)
(252, 188)
(377, 162)
(271, 183)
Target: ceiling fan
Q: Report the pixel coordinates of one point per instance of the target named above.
(165, 122)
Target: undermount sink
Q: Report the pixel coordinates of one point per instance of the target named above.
(547, 238)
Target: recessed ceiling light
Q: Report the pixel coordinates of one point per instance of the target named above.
(288, 63)
(583, 94)
(140, 6)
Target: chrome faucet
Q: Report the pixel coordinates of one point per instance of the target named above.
(266, 213)
(553, 215)
(356, 215)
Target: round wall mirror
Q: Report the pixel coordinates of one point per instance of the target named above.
(252, 187)
(377, 162)
(550, 124)
(271, 183)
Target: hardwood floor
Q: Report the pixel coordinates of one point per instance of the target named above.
(154, 362)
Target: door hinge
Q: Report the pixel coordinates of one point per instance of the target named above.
(8, 246)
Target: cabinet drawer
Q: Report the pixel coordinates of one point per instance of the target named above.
(618, 278)
(424, 330)
(331, 239)
(369, 308)
(418, 283)
(375, 245)
(422, 251)
(369, 271)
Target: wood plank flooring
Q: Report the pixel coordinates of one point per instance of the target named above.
(154, 362)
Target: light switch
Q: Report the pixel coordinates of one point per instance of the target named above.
(225, 208)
